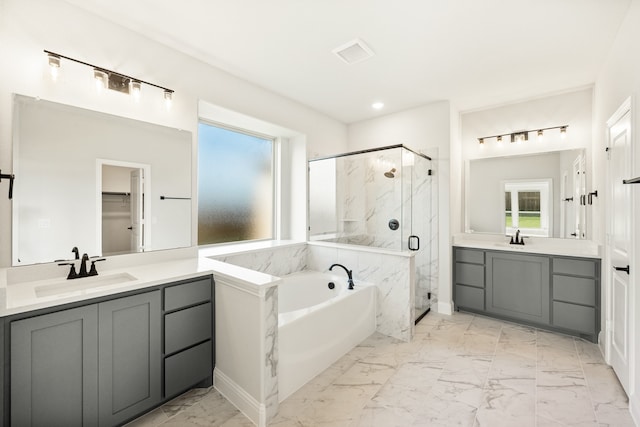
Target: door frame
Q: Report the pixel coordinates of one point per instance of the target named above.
(624, 108)
(147, 200)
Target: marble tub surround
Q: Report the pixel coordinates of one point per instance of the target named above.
(461, 370)
(539, 245)
(247, 340)
(277, 260)
(390, 271)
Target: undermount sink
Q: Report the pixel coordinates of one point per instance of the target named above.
(86, 283)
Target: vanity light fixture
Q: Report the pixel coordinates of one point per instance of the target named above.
(134, 89)
(523, 135)
(168, 98)
(54, 65)
(107, 79)
(101, 78)
(377, 105)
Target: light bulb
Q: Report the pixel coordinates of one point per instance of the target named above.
(499, 138)
(540, 135)
(481, 141)
(101, 79)
(134, 89)
(168, 97)
(54, 66)
(377, 105)
(563, 132)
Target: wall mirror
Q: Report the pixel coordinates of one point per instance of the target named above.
(541, 194)
(106, 184)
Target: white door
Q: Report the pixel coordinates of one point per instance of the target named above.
(619, 212)
(137, 210)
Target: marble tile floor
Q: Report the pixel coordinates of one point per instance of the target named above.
(460, 370)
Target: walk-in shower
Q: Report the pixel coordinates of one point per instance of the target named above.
(383, 198)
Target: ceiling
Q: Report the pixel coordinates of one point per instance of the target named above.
(475, 53)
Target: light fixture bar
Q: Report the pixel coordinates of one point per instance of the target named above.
(95, 67)
(525, 133)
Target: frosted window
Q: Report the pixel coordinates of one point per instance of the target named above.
(235, 186)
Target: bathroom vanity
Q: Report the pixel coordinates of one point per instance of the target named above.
(106, 360)
(549, 291)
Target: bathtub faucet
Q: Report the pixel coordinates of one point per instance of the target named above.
(349, 273)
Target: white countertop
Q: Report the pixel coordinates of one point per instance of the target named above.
(28, 288)
(535, 245)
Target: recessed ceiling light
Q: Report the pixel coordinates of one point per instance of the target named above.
(377, 105)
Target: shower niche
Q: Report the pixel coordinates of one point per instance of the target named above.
(379, 198)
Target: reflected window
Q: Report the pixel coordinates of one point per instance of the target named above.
(528, 207)
(235, 186)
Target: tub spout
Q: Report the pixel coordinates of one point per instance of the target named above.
(349, 273)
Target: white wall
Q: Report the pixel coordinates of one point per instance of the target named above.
(618, 80)
(428, 129)
(27, 27)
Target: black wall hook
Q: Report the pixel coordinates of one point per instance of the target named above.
(591, 195)
(10, 177)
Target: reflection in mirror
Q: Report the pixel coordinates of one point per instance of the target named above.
(95, 181)
(527, 206)
(539, 194)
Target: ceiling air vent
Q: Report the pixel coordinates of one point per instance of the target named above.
(353, 52)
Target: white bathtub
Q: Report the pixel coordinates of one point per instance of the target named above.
(318, 325)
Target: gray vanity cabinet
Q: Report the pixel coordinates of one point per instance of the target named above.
(519, 286)
(576, 295)
(469, 279)
(188, 336)
(553, 292)
(129, 368)
(92, 365)
(54, 364)
(107, 361)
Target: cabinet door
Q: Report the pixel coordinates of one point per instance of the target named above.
(518, 286)
(129, 370)
(54, 360)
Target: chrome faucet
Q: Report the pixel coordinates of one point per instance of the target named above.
(349, 273)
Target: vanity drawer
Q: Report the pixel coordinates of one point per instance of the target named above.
(470, 274)
(470, 255)
(187, 294)
(576, 267)
(469, 297)
(186, 369)
(187, 327)
(578, 290)
(576, 317)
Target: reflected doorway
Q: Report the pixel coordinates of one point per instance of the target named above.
(122, 189)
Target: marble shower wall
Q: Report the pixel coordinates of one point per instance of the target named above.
(367, 199)
(391, 273)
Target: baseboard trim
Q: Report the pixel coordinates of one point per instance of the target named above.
(634, 408)
(242, 400)
(445, 307)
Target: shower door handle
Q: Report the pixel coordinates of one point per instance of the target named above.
(412, 240)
